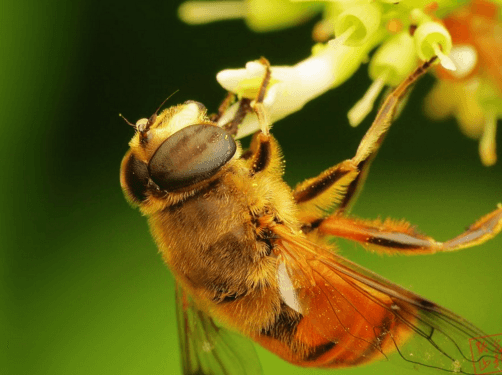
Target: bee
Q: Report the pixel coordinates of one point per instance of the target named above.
(251, 255)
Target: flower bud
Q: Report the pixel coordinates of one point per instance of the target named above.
(429, 34)
(260, 15)
(356, 24)
(397, 56)
(268, 15)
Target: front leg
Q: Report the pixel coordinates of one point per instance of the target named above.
(247, 106)
(263, 148)
(338, 186)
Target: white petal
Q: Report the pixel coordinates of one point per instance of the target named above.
(294, 86)
(230, 79)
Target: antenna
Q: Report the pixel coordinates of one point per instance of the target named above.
(143, 128)
(165, 100)
(153, 117)
(127, 121)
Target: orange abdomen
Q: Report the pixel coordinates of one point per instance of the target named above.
(345, 324)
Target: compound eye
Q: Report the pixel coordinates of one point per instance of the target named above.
(134, 178)
(191, 155)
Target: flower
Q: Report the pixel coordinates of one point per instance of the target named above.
(291, 87)
(467, 41)
(472, 94)
(260, 15)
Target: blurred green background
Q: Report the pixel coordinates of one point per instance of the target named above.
(83, 290)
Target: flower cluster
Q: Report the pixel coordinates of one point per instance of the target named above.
(402, 32)
(473, 93)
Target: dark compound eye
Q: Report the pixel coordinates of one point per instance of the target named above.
(134, 178)
(191, 155)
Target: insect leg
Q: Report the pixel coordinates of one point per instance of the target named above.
(225, 104)
(246, 107)
(338, 186)
(400, 237)
(376, 133)
(258, 106)
(263, 147)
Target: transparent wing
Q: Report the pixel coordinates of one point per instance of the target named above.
(370, 318)
(208, 349)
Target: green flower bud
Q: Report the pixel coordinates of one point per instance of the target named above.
(356, 24)
(428, 36)
(418, 17)
(200, 12)
(260, 15)
(268, 15)
(396, 58)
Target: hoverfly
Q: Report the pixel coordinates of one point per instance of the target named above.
(253, 255)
